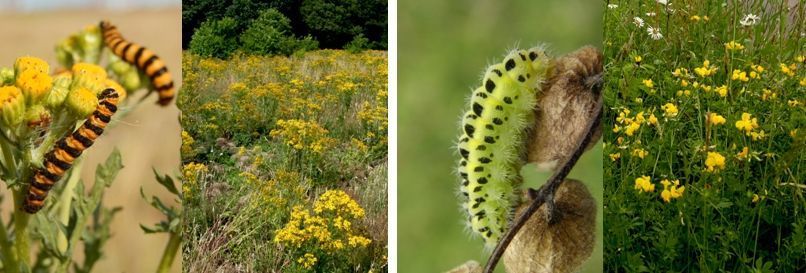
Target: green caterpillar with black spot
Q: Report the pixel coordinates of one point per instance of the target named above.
(493, 134)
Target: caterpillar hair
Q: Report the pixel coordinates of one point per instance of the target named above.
(67, 149)
(144, 59)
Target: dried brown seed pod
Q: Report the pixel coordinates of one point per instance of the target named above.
(561, 247)
(565, 107)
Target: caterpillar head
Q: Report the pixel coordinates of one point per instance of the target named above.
(566, 106)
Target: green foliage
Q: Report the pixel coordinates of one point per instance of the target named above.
(358, 44)
(332, 23)
(270, 34)
(738, 214)
(215, 38)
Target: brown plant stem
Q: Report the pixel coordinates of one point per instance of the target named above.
(546, 192)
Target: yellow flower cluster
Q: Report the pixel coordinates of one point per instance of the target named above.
(631, 124)
(187, 144)
(706, 69)
(733, 45)
(307, 261)
(640, 153)
(739, 75)
(329, 228)
(716, 119)
(303, 135)
(749, 125)
(670, 110)
(191, 172)
(671, 190)
(714, 162)
(644, 184)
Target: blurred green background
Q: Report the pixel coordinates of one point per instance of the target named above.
(444, 46)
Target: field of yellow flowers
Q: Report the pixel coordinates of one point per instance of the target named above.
(704, 141)
(285, 162)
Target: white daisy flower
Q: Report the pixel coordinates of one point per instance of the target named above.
(650, 14)
(654, 33)
(663, 2)
(749, 20)
(638, 21)
(612, 6)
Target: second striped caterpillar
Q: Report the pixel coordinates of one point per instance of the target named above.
(144, 59)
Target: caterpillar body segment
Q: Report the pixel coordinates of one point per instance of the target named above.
(144, 59)
(492, 138)
(59, 160)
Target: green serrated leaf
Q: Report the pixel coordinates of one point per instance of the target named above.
(167, 182)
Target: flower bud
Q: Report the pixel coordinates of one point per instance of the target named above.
(6, 76)
(89, 40)
(88, 76)
(30, 63)
(37, 116)
(561, 247)
(127, 73)
(57, 94)
(34, 84)
(65, 51)
(81, 102)
(12, 105)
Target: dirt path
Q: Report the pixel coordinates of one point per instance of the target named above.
(148, 137)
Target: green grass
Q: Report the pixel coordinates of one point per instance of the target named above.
(444, 47)
(744, 213)
(285, 145)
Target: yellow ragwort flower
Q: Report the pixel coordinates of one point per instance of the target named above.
(614, 156)
(34, 85)
(307, 261)
(81, 102)
(12, 105)
(26, 63)
(89, 76)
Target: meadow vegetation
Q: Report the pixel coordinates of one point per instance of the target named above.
(704, 138)
(285, 162)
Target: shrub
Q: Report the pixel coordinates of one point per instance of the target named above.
(215, 38)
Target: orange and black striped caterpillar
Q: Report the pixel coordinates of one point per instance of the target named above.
(67, 149)
(144, 59)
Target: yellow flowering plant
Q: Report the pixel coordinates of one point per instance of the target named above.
(49, 116)
(725, 148)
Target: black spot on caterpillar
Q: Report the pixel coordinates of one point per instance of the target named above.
(144, 59)
(67, 149)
